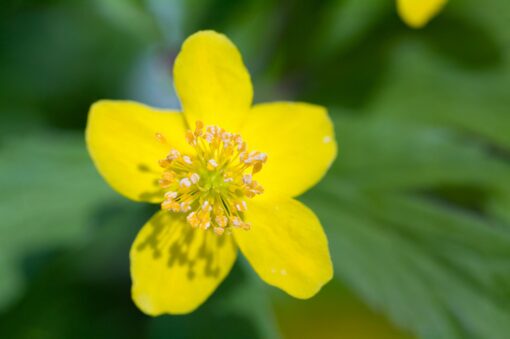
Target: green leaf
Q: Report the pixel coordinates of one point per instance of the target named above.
(81, 284)
(433, 264)
(416, 205)
(382, 153)
(50, 191)
(345, 23)
(439, 273)
(441, 77)
(416, 70)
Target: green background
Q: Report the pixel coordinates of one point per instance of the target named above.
(416, 206)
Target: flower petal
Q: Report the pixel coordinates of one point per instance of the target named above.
(299, 141)
(286, 246)
(121, 139)
(417, 13)
(211, 81)
(174, 267)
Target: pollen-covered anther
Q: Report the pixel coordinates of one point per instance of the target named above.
(194, 178)
(219, 230)
(160, 138)
(187, 160)
(212, 164)
(241, 207)
(212, 183)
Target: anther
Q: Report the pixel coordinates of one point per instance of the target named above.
(194, 178)
(160, 138)
(187, 160)
(212, 164)
(185, 182)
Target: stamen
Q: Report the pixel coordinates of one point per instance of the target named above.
(247, 179)
(187, 160)
(194, 178)
(211, 186)
(160, 138)
(212, 164)
(170, 195)
(185, 182)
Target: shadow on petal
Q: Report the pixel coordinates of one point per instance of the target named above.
(175, 267)
(155, 192)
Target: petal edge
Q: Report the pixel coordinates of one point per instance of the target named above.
(299, 140)
(417, 13)
(212, 81)
(121, 141)
(286, 246)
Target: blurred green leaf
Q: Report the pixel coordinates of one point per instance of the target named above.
(58, 58)
(251, 299)
(345, 23)
(416, 206)
(129, 15)
(430, 262)
(394, 154)
(61, 304)
(50, 192)
(83, 283)
(476, 102)
(442, 283)
(240, 308)
(333, 313)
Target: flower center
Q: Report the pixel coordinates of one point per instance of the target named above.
(211, 186)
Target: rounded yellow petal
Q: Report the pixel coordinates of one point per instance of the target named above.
(417, 13)
(121, 139)
(286, 246)
(175, 268)
(299, 140)
(211, 81)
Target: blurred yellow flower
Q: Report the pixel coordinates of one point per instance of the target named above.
(197, 165)
(417, 13)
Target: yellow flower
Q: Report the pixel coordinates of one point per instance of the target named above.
(217, 194)
(417, 13)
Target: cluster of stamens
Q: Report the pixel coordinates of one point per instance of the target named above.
(211, 186)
